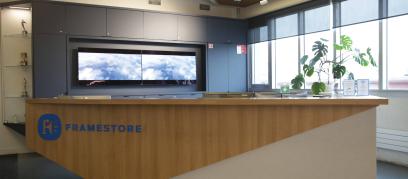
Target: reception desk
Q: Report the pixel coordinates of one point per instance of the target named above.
(207, 138)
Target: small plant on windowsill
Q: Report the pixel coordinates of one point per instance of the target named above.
(321, 64)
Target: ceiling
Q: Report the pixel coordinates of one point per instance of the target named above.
(243, 3)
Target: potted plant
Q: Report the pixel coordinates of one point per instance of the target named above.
(321, 64)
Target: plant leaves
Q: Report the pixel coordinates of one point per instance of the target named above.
(338, 71)
(346, 42)
(370, 56)
(314, 60)
(298, 82)
(320, 49)
(318, 87)
(308, 70)
(303, 59)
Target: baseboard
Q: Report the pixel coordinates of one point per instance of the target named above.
(392, 146)
(7, 151)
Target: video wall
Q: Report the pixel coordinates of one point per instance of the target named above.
(107, 67)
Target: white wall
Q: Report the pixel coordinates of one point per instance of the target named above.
(393, 116)
(190, 7)
(10, 141)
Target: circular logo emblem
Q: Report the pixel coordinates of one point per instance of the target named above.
(49, 127)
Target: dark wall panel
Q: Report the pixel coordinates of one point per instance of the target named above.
(226, 30)
(160, 26)
(50, 76)
(192, 29)
(124, 23)
(87, 21)
(48, 18)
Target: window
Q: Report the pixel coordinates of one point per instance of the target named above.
(287, 26)
(356, 11)
(260, 63)
(377, 24)
(285, 60)
(364, 35)
(397, 57)
(397, 7)
(317, 19)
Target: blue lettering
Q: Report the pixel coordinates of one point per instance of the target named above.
(129, 128)
(74, 127)
(106, 128)
(122, 128)
(99, 128)
(139, 128)
(82, 128)
(91, 127)
(67, 126)
(113, 128)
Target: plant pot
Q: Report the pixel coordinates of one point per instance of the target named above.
(318, 87)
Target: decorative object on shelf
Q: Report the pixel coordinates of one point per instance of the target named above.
(285, 88)
(322, 64)
(24, 31)
(24, 94)
(349, 88)
(23, 61)
(363, 86)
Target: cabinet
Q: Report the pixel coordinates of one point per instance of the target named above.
(226, 69)
(50, 77)
(226, 30)
(86, 21)
(160, 26)
(124, 23)
(192, 29)
(48, 18)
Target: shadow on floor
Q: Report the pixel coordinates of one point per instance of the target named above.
(32, 166)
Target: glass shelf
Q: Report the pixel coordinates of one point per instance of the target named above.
(16, 97)
(17, 66)
(21, 35)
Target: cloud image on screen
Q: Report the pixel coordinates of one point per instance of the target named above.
(169, 67)
(109, 66)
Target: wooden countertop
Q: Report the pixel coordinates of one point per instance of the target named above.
(351, 101)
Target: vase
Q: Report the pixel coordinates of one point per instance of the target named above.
(335, 88)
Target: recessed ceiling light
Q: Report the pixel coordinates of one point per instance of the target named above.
(21, 8)
(263, 2)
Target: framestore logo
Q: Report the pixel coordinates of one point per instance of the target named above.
(50, 127)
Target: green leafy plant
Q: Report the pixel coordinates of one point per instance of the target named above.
(321, 64)
(318, 87)
(298, 82)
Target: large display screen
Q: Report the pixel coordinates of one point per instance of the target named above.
(118, 67)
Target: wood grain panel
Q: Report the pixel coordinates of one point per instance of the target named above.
(175, 138)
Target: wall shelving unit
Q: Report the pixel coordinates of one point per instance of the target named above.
(16, 64)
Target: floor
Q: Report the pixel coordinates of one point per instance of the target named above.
(33, 166)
